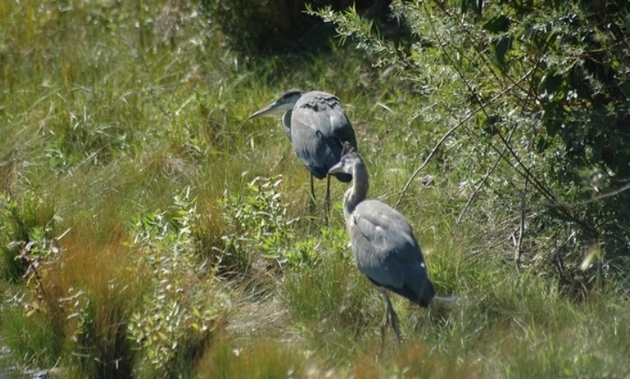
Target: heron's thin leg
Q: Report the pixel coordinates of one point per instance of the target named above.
(312, 202)
(327, 201)
(394, 321)
(384, 330)
(391, 315)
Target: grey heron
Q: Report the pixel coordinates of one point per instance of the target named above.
(317, 127)
(384, 247)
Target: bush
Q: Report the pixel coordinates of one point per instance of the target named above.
(181, 309)
(102, 348)
(265, 26)
(28, 225)
(258, 226)
(535, 100)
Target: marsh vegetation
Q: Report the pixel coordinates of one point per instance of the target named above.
(148, 230)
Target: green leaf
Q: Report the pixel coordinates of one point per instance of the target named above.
(498, 24)
(552, 117)
(500, 47)
(550, 83)
(477, 6)
(541, 144)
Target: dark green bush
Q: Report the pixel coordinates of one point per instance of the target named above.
(181, 309)
(28, 228)
(264, 26)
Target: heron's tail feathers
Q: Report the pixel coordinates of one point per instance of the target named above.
(347, 148)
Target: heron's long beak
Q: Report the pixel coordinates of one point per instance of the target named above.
(267, 110)
(336, 169)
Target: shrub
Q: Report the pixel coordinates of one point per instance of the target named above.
(102, 348)
(258, 226)
(27, 225)
(532, 99)
(264, 26)
(181, 309)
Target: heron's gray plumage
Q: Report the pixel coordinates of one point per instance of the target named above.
(317, 126)
(383, 244)
(387, 252)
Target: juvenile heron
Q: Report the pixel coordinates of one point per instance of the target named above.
(384, 247)
(317, 126)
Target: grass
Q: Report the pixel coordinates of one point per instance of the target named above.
(105, 126)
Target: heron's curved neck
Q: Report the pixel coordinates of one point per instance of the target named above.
(286, 123)
(358, 192)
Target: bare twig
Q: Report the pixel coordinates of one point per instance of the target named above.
(485, 178)
(521, 228)
(476, 191)
(597, 198)
(431, 154)
(451, 130)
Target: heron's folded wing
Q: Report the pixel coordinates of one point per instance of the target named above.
(323, 112)
(385, 244)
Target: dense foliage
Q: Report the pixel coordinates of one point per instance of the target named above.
(148, 229)
(539, 87)
(266, 26)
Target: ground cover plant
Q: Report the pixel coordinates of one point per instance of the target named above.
(147, 229)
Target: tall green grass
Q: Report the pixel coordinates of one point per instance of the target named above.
(106, 123)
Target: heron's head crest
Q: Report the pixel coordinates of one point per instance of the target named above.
(347, 148)
(291, 96)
